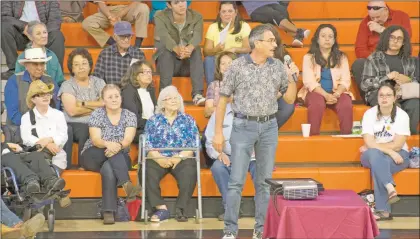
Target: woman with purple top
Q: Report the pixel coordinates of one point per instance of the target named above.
(275, 12)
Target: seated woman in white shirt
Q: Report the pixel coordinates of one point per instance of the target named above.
(385, 130)
(47, 127)
(139, 95)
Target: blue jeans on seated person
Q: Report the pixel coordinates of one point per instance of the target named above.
(8, 218)
(246, 137)
(209, 68)
(284, 112)
(221, 174)
(382, 167)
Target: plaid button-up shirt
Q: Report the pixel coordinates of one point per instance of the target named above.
(376, 70)
(111, 65)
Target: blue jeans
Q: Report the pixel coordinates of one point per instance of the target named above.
(221, 174)
(8, 218)
(284, 112)
(209, 68)
(245, 137)
(382, 167)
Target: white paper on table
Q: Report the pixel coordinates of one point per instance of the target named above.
(223, 34)
(134, 60)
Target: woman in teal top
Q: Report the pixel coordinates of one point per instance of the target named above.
(38, 34)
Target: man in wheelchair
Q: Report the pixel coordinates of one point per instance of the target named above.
(31, 169)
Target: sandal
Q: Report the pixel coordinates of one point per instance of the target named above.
(380, 216)
(180, 216)
(161, 215)
(393, 197)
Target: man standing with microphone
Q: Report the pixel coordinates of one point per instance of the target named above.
(255, 81)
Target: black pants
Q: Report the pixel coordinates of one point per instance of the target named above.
(410, 106)
(77, 132)
(357, 71)
(185, 174)
(270, 13)
(114, 172)
(169, 65)
(29, 166)
(13, 40)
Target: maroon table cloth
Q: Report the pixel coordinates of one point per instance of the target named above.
(334, 214)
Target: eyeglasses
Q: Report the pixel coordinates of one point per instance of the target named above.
(125, 37)
(84, 64)
(171, 99)
(394, 38)
(42, 95)
(271, 40)
(376, 8)
(386, 96)
(146, 72)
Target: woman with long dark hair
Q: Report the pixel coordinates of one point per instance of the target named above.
(326, 80)
(236, 40)
(385, 129)
(392, 61)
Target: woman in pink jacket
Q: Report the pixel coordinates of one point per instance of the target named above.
(326, 79)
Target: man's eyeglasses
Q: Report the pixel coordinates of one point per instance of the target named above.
(376, 8)
(125, 37)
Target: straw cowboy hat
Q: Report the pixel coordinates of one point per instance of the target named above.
(37, 87)
(34, 55)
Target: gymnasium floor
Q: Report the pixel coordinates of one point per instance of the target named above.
(400, 227)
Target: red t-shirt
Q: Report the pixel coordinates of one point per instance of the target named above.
(366, 40)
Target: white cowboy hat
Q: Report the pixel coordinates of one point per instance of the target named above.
(34, 55)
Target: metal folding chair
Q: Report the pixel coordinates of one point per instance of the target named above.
(142, 158)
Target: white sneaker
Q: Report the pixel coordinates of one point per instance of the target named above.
(199, 99)
(257, 235)
(229, 235)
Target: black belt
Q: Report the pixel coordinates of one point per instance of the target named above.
(255, 118)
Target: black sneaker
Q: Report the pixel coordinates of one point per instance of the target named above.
(300, 35)
(32, 187)
(7, 74)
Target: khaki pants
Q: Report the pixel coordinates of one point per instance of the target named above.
(96, 23)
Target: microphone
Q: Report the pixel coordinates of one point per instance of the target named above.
(288, 61)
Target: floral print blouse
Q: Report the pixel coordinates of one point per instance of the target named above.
(161, 134)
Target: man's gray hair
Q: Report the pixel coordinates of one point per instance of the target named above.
(32, 25)
(169, 90)
(257, 33)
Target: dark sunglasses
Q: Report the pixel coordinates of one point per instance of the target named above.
(376, 8)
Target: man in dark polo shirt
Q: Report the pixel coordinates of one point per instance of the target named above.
(255, 81)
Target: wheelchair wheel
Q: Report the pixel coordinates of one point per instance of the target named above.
(27, 213)
(51, 220)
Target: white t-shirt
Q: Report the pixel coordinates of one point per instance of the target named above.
(383, 130)
(29, 12)
(146, 103)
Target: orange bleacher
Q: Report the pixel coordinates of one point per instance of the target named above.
(293, 150)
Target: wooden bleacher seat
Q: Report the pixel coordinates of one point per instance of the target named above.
(297, 10)
(86, 184)
(347, 32)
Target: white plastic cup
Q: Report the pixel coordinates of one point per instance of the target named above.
(306, 129)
